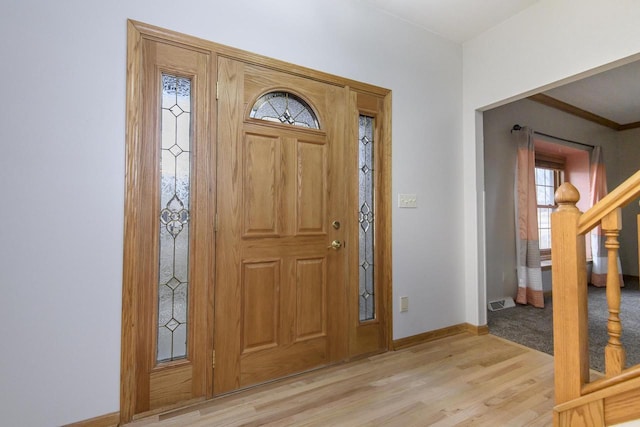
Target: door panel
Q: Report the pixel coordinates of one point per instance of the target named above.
(261, 305)
(311, 292)
(168, 386)
(311, 188)
(274, 290)
(262, 203)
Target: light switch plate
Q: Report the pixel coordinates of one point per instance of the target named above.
(407, 201)
(404, 304)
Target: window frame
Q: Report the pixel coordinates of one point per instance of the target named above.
(557, 164)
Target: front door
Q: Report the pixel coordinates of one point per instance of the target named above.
(250, 249)
(280, 288)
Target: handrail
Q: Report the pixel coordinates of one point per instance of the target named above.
(624, 194)
(612, 390)
(602, 383)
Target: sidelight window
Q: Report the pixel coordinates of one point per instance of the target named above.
(175, 166)
(365, 217)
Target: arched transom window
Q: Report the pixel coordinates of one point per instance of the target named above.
(284, 107)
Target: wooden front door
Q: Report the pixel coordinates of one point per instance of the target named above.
(280, 288)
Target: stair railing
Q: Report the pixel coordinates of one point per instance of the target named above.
(569, 227)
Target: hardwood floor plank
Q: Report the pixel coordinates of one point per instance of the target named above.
(455, 381)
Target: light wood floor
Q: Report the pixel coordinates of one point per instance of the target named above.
(456, 381)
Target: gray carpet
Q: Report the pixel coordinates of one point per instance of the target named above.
(533, 327)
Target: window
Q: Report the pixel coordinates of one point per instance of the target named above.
(365, 215)
(286, 108)
(175, 177)
(549, 175)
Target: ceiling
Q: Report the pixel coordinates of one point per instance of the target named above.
(611, 98)
(456, 20)
(612, 95)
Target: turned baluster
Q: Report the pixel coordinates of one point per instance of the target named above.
(614, 354)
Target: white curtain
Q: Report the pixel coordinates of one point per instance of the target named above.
(526, 210)
(598, 189)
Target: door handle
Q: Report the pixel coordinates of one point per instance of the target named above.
(335, 245)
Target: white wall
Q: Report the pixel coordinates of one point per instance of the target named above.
(628, 143)
(62, 161)
(552, 41)
(500, 152)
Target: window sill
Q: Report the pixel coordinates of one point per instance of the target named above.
(546, 264)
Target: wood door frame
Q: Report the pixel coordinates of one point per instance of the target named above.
(136, 33)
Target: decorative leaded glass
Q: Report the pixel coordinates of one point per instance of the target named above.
(365, 218)
(284, 107)
(175, 165)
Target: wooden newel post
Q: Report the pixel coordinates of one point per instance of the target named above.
(569, 274)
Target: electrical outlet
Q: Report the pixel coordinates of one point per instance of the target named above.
(404, 304)
(407, 201)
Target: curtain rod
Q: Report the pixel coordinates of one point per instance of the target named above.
(518, 127)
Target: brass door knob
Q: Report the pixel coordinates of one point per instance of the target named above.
(336, 244)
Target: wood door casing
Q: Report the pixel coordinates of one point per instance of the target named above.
(280, 291)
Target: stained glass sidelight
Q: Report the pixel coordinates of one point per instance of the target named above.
(175, 165)
(284, 107)
(365, 218)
